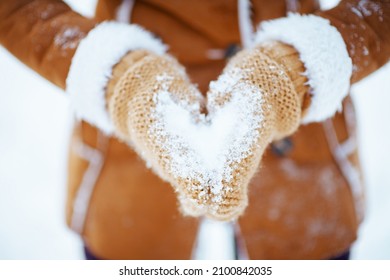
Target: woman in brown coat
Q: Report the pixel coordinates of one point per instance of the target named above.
(305, 202)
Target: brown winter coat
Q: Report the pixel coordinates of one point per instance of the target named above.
(300, 205)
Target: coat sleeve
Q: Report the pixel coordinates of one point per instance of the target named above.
(338, 47)
(365, 28)
(73, 52)
(43, 34)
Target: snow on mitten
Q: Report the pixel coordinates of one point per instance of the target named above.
(131, 91)
(207, 151)
(266, 85)
(142, 85)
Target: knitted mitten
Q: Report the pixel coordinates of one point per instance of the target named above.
(139, 95)
(270, 79)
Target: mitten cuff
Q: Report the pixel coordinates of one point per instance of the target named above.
(324, 54)
(92, 64)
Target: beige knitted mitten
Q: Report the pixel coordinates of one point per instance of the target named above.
(141, 86)
(270, 77)
(208, 151)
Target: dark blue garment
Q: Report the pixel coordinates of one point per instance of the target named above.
(343, 256)
(90, 256)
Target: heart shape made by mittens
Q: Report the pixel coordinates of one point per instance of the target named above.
(209, 158)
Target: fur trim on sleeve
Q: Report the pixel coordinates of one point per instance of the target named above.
(92, 64)
(324, 54)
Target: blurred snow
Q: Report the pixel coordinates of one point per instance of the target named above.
(328, 4)
(33, 145)
(35, 124)
(85, 7)
(372, 100)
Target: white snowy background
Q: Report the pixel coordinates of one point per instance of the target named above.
(35, 125)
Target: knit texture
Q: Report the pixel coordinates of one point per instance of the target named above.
(207, 149)
(324, 54)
